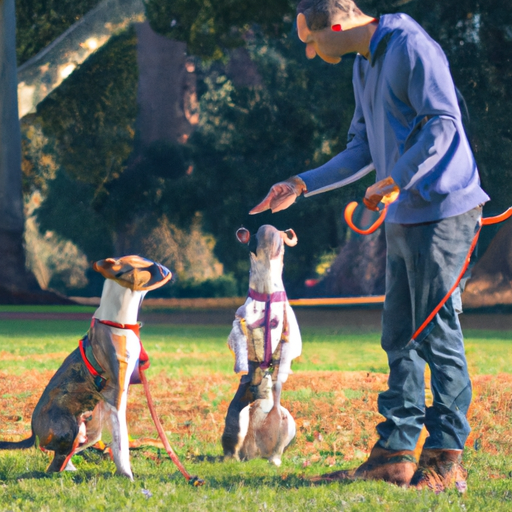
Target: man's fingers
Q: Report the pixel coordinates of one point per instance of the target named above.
(371, 203)
(281, 196)
(265, 204)
(283, 202)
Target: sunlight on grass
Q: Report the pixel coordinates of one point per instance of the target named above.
(188, 349)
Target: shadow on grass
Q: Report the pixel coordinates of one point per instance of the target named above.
(228, 482)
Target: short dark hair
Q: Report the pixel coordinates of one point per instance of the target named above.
(319, 13)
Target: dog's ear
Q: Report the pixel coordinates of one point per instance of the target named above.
(134, 272)
(289, 237)
(243, 235)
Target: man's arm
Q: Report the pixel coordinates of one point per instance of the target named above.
(350, 165)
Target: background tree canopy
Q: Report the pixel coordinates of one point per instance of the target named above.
(287, 115)
(39, 22)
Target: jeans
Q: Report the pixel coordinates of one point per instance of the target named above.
(423, 263)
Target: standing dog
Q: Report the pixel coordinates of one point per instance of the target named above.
(90, 389)
(265, 338)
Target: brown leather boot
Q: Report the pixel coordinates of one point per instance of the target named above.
(439, 470)
(396, 467)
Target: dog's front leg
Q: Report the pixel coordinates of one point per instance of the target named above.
(120, 442)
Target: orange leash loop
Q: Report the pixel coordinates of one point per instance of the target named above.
(498, 218)
(452, 289)
(483, 222)
(192, 480)
(349, 213)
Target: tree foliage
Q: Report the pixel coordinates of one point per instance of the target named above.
(39, 22)
(209, 28)
(251, 137)
(293, 117)
(91, 118)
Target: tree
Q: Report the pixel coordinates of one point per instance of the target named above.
(266, 113)
(212, 28)
(13, 275)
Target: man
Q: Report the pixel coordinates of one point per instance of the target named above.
(407, 125)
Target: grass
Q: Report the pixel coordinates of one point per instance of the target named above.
(332, 396)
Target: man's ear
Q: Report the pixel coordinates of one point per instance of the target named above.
(302, 27)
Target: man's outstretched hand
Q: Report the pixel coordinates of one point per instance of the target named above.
(281, 195)
(384, 191)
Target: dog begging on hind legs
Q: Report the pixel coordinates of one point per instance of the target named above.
(90, 389)
(265, 338)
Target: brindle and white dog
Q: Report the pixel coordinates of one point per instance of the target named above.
(90, 389)
(265, 338)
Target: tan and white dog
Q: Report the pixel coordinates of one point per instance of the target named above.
(90, 389)
(265, 338)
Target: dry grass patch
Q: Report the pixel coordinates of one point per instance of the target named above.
(336, 412)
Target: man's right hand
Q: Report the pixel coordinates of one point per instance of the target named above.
(281, 195)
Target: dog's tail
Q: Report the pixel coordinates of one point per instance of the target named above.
(18, 445)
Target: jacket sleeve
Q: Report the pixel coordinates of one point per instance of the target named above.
(348, 166)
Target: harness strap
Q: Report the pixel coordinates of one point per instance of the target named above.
(279, 296)
(94, 367)
(143, 357)
(133, 327)
(268, 299)
(91, 364)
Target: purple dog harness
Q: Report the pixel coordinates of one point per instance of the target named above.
(268, 299)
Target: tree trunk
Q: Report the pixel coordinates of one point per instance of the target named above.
(13, 274)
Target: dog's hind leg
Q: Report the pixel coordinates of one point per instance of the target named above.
(63, 439)
(244, 395)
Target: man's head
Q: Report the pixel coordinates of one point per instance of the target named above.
(321, 14)
(326, 26)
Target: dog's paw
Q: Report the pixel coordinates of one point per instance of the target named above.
(275, 460)
(70, 466)
(231, 456)
(124, 473)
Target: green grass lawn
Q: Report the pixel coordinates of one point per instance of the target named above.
(325, 349)
(194, 351)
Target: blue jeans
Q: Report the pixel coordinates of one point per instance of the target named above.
(423, 263)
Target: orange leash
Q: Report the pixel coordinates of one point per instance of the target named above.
(349, 213)
(192, 480)
(483, 222)
(498, 218)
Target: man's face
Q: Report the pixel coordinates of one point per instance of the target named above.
(325, 43)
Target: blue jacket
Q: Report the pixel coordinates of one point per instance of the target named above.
(407, 124)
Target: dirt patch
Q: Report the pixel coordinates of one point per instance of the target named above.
(336, 412)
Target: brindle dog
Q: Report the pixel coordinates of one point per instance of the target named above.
(90, 389)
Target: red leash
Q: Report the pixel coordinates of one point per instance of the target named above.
(192, 480)
(349, 213)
